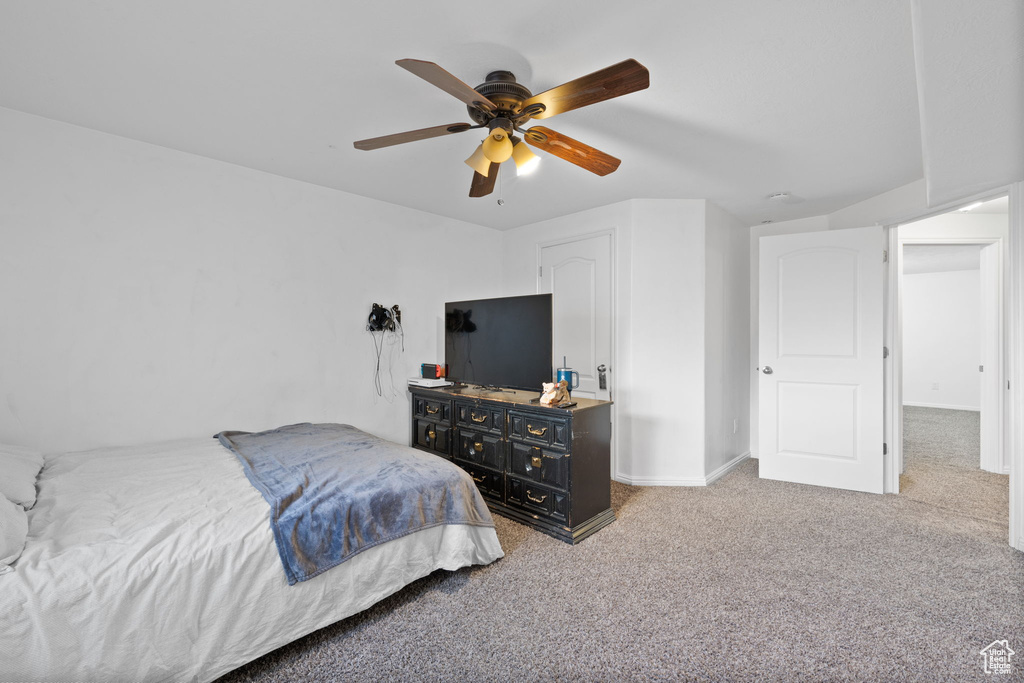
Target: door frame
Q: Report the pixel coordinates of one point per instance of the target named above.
(992, 396)
(613, 345)
(1013, 336)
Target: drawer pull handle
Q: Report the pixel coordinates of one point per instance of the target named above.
(536, 432)
(536, 461)
(478, 447)
(431, 434)
(474, 418)
(480, 480)
(537, 500)
(434, 411)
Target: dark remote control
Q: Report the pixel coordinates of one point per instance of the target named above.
(566, 405)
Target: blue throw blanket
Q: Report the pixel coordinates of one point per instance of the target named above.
(335, 491)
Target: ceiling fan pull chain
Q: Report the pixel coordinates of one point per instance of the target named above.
(501, 201)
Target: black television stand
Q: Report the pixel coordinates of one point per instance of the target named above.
(544, 466)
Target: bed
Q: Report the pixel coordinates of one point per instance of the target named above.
(157, 563)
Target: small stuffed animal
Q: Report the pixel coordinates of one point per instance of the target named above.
(554, 394)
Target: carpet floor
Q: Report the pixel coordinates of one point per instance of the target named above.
(743, 580)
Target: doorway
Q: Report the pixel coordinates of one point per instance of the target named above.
(951, 444)
(579, 273)
(949, 363)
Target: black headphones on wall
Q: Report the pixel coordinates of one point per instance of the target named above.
(383, 319)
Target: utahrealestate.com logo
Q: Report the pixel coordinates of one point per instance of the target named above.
(997, 657)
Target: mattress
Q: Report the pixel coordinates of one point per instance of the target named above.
(157, 563)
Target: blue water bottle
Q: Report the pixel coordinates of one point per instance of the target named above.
(568, 374)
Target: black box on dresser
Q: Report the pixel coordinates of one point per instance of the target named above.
(547, 467)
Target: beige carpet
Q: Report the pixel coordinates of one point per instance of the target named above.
(942, 454)
(744, 580)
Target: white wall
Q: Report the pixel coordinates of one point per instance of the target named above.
(150, 294)
(657, 376)
(663, 361)
(667, 405)
(726, 339)
(942, 339)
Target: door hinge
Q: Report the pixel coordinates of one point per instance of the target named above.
(885, 352)
(885, 256)
(540, 271)
(885, 449)
(981, 368)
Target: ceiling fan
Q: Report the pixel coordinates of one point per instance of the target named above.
(503, 106)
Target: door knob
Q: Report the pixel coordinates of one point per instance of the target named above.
(767, 370)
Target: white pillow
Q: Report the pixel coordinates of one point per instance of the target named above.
(13, 531)
(19, 468)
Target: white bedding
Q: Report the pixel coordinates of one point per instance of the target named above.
(157, 563)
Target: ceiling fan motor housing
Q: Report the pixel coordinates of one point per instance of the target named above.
(501, 88)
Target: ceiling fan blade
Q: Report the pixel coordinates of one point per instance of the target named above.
(573, 151)
(435, 75)
(483, 185)
(613, 81)
(411, 136)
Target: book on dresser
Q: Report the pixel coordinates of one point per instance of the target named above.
(544, 466)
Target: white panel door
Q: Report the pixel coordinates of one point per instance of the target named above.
(579, 276)
(820, 356)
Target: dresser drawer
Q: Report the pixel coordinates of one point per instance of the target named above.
(544, 467)
(432, 437)
(538, 500)
(539, 465)
(491, 484)
(434, 410)
(480, 418)
(481, 448)
(539, 429)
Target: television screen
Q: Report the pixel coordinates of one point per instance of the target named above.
(502, 342)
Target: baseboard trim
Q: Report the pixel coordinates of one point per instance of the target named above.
(695, 481)
(727, 467)
(644, 481)
(936, 405)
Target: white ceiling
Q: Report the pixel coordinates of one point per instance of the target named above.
(999, 205)
(817, 98)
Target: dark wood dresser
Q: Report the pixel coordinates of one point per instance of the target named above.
(543, 466)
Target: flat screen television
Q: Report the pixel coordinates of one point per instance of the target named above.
(503, 342)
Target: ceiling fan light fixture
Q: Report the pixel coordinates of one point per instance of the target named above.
(497, 147)
(478, 162)
(502, 106)
(526, 161)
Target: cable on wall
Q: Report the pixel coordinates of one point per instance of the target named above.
(385, 327)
